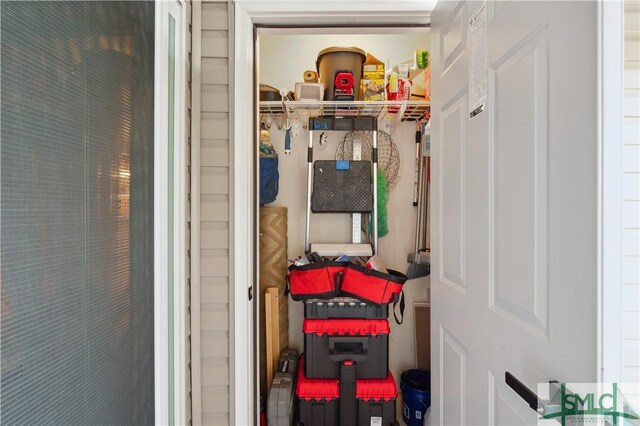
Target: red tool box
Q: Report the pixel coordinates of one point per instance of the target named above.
(327, 343)
(346, 402)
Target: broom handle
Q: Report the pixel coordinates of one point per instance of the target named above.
(420, 207)
(426, 245)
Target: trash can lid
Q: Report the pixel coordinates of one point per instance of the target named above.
(337, 49)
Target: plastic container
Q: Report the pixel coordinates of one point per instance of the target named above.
(416, 395)
(327, 343)
(334, 60)
(344, 307)
(309, 91)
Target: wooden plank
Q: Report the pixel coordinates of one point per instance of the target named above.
(422, 326)
(272, 325)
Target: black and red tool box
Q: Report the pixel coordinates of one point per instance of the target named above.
(346, 402)
(327, 343)
(344, 307)
(376, 400)
(317, 399)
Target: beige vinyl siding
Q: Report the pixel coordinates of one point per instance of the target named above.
(214, 263)
(630, 362)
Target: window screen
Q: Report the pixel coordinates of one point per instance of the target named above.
(76, 212)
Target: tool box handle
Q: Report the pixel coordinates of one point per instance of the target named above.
(342, 348)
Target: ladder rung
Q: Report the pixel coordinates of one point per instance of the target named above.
(354, 250)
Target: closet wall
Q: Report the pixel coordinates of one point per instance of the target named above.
(278, 50)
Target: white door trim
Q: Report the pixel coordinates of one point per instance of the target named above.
(611, 60)
(162, 328)
(243, 197)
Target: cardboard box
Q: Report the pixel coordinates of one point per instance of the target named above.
(373, 90)
(372, 85)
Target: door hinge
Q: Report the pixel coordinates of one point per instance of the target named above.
(250, 293)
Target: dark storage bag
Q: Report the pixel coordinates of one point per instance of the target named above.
(371, 285)
(319, 280)
(269, 177)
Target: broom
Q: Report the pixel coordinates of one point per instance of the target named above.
(419, 261)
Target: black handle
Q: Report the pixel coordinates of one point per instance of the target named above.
(530, 397)
(343, 348)
(525, 393)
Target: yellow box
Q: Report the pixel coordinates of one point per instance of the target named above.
(373, 90)
(373, 83)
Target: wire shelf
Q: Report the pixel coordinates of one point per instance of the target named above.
(393, 110)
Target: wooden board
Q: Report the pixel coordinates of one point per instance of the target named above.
(272, 330)
(422, 319)
(273, 272)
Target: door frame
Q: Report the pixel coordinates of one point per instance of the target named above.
(610, 93)
(244, 198)
(170, 360)
(248, 14)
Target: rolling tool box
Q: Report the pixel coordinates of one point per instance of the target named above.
(348, 401)
(327, 343)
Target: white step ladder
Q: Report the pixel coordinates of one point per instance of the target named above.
(356, 248)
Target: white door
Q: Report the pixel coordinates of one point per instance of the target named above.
(514, 209)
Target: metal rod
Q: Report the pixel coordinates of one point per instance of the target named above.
(420, 207)
(375, 192)
(307, 232)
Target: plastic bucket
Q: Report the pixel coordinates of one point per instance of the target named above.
(333, 60)
(416, 395)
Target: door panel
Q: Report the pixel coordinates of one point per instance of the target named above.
(515, 208)
(452, 239)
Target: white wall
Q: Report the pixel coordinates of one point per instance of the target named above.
(282, 61)
(630, 362)
(283, 58)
